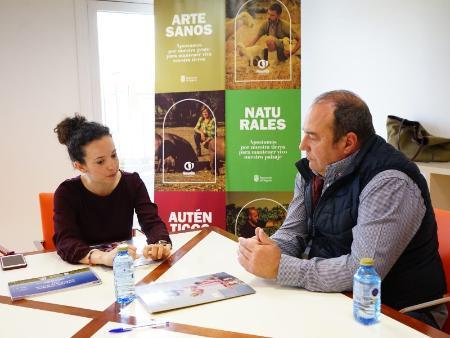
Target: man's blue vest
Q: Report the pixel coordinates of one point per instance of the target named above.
(417, 276)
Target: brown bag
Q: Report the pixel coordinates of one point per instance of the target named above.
(411, 138)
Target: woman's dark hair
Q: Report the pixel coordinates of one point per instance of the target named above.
(76, 132)
(351, 114)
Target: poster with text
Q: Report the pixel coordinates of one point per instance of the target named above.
(263, 134)
(247, 210)
(189, 44)
(190, 141)
(262, 44)
(191, 210)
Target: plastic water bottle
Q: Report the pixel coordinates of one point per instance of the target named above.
(366, 293)
(123, 275)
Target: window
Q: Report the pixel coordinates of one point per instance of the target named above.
(122, 71)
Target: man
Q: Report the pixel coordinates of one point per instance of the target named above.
(248, 229)
(374, 203)
(276, 29)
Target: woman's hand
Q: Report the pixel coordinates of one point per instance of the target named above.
(107, 257)
(157, 251)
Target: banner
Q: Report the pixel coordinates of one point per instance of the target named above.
(189, 141)
(262, 44)
(263, 133)
(248, 210)
(191, 210)
(189, 51)
(227, 112)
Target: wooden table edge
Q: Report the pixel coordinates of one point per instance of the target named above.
(100, 318)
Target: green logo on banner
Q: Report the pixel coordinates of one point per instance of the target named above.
(262, 137)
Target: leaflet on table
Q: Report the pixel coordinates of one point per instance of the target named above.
(141, 260)
(157, 297)
(36, 286)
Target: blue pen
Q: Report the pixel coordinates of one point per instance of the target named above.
(127, 329)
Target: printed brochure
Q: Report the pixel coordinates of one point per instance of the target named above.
(35, 286)
(157, 297)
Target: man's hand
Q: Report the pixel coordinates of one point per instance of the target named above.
(259, 255)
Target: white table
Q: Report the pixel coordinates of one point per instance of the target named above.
(20, 322)
(138, 333)
(272, 311)
(97, 297)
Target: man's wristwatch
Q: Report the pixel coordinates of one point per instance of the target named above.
(163, 242)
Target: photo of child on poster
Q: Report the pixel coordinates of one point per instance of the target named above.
(262, 44)
(190, 141)
(245, 211)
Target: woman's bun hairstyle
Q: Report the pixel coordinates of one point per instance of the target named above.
(76, 132)
(68, 127)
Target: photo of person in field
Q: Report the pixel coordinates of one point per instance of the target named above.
(253, 221)
(278, 34)
(190, 142)
(245, 211)
(263, 44)
(204, 130)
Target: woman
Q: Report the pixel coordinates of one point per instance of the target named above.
(98, 206)
(204, 130)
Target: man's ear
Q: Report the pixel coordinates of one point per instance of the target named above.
(351, 143)
(77, 165)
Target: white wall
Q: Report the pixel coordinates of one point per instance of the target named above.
(393, 53)
(38, 87)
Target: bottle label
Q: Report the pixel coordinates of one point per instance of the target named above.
(365, 298)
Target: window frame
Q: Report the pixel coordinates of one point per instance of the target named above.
(87, 54)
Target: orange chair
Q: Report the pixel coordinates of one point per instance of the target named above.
(48, 229)
(46, 204)
(443, 222)
(443, 230)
